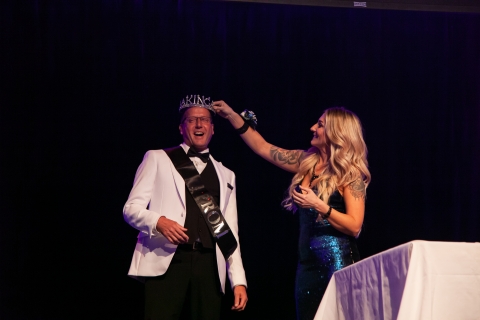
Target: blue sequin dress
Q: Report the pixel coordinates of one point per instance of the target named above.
(322, 250)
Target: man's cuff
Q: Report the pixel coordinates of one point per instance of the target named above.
(240, 284)
(155, 232)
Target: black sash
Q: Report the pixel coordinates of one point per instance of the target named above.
(210, 211)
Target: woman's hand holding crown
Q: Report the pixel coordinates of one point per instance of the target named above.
(222, 109)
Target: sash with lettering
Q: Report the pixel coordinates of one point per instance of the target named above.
(216, 223)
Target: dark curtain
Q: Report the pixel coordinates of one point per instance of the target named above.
(89, 86)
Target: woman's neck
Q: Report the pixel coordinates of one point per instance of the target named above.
(323, 155)
(317, 169)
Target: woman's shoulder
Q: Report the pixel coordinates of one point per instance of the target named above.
(357, 188)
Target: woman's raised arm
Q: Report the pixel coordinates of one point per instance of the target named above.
(288, 160)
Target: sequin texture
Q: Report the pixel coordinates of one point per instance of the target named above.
(322, 251)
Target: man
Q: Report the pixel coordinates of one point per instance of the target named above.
(177, 254)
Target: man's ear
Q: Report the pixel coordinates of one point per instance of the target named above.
(180, 128)
(213, 127)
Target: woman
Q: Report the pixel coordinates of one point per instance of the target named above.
(328, 189)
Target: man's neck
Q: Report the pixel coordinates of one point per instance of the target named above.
(199, 151)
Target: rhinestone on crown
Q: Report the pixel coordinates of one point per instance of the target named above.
(196, 101)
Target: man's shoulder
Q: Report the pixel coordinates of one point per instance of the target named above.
(155, 151)
(155, 154)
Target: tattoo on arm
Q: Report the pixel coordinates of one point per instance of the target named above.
(286, 156)
(357, 188)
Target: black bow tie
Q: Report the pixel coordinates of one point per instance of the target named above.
(193, 153)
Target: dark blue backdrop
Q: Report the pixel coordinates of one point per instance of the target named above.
(89, 86)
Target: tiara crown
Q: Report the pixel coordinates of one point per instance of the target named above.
(196, 101)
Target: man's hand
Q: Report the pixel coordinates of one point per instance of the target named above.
(240, 298)
(171, 230)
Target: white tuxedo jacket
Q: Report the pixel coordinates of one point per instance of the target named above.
(160, 187)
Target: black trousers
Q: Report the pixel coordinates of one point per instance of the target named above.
(189, 287)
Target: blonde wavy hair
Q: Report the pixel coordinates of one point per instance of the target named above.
(346, 157)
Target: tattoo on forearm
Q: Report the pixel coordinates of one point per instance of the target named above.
(357, 188)
(286, 156)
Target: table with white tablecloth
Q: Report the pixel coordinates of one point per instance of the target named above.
(419, 280)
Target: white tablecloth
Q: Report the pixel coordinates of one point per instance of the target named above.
(419, 280)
